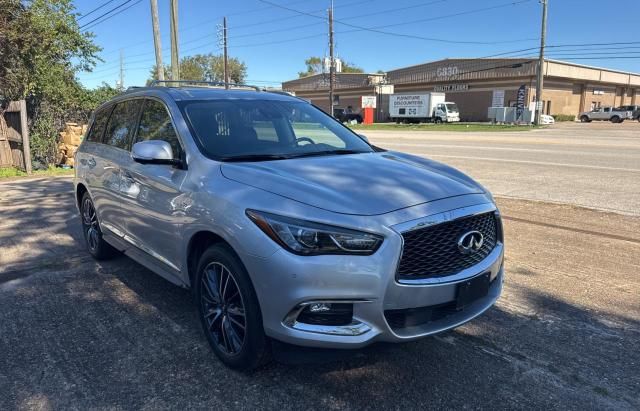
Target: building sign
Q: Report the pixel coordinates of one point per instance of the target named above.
(520, 100)
(368, 102)
(447, 71)
(498, 98)
(598, 92)
(451, 87)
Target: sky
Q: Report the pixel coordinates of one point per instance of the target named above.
(274, 41)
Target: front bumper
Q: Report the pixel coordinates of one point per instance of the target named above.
(286, 281)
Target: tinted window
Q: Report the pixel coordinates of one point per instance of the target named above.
(155, 124)
(99, 123)
(234, 127)
(121, 123)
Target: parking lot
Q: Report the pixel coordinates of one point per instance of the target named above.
(75, 333)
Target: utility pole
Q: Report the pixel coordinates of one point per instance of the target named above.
(175, 62)
(156, 39)
(121, 69)
(226, 56)
(332, 63)
(540, 81)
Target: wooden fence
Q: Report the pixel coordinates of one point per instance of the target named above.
(14, 147)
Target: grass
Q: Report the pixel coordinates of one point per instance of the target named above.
(6, 172)
(471, 127)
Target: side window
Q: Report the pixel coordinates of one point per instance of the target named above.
(607, 109)
(155, 124)
(121, 124)
(99, 123)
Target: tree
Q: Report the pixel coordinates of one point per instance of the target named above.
(41, 49)
(206, 67)
(315, 66)
(351, 68)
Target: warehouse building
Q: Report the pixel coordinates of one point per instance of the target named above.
(477, 84)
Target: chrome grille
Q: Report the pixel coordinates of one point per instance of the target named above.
(433, 251)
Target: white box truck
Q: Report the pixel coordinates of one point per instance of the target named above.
(414, 108)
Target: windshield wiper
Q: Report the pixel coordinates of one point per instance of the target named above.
(327, 153)
(255, 157)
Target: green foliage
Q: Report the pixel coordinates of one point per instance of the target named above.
(7, 172)
(315, 66)
(41, 49)
(564, 117)
(205, 67)
(351, 68)
(44, 135)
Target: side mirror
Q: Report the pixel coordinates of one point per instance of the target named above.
(153, 152)
(362, 136)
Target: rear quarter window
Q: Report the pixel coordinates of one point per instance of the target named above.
(99, 123)
(122, 124)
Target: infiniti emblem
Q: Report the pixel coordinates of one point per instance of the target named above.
(470, 242)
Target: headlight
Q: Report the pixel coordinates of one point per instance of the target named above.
(308, 238)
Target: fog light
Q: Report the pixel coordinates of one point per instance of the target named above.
(319, 307)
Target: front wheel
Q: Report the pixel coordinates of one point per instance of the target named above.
(584, 119)
(438, 120)
(616, 119)
(229, 310)
(99, 249)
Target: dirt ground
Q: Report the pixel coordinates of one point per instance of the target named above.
(75, 333)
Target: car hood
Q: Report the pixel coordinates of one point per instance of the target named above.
(359, 184)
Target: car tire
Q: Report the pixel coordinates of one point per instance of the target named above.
(97, 246)
(584, 119)
(229, 310)
(615, 119)
(438, 120)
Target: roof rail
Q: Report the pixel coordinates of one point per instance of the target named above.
(200, 83)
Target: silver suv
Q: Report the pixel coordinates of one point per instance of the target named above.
(284, 223)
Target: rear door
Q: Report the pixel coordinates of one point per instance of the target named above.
(155, 205)
(115, 153)
(89, 161)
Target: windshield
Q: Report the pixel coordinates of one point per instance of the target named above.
(452, 107)
(267, 129)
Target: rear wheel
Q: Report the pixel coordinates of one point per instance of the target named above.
(99, 249)
(584, 119)
(615, 119)
(229, 310)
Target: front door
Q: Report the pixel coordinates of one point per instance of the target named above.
(114, 152)
(151, 192)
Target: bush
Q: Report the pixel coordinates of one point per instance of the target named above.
(564, 117)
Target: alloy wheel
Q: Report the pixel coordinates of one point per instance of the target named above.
(223, 308)
(90, 221)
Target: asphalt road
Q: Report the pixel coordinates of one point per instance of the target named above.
(79, 334)
(594, 165)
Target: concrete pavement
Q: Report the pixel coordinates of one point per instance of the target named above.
(594, 165)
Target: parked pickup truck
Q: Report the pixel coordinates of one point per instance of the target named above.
(635, 110)
(614, 115)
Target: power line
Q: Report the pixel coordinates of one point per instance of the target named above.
(94, 10)
(104, 14)
(376, 29)
(113, 15)
(304, 26)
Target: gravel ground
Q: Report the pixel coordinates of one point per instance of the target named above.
(79, 334)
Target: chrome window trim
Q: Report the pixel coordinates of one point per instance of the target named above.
(439, 218)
